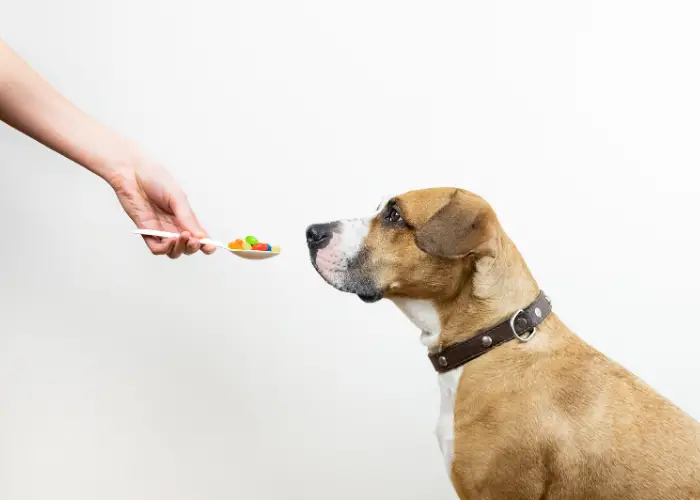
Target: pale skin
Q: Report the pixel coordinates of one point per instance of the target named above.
(148, 193)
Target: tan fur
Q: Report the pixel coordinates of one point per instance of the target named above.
(550, 419)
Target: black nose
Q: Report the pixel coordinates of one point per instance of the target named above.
(318, 235)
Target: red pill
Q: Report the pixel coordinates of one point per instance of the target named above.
(260, 246)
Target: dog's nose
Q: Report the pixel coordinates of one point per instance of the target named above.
(318, 235)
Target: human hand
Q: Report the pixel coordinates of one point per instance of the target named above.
(147, 191)
(153, 200)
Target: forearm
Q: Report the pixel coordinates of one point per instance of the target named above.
(29, 104)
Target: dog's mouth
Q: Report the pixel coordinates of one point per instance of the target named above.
(350, 277)
(351, 280)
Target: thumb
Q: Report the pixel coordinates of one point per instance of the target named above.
(185, 217)
(187, 220)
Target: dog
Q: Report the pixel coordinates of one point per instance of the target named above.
(529, 411)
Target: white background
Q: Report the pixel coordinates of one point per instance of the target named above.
(123, 375)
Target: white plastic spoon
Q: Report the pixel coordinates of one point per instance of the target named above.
(244, 254)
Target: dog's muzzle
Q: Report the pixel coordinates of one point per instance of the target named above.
(344, 270)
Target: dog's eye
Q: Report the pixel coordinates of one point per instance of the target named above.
(393, 215)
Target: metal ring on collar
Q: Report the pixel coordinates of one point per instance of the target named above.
(521, 338)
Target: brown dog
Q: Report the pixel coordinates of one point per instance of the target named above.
(545, 417)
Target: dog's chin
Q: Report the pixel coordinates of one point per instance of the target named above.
(354, 283)
(367, 293)
(371, 298)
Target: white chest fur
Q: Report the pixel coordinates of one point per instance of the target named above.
(449, 383)
(424, 315)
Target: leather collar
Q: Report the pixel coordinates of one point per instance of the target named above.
(521, 325)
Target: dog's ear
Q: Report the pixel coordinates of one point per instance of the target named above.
(460, 227)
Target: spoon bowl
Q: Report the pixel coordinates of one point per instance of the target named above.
(243, 254)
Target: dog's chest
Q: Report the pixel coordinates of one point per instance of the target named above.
(449, 383)
(425, 316)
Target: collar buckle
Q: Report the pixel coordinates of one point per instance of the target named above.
(525, 336)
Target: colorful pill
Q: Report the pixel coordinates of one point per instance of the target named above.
(260, 246)
(247, 246)
(252, 240)
(236, 245)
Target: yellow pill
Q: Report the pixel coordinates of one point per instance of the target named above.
(247, 246)
(275, 249)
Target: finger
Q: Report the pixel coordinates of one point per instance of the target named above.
(185, 217)
(158, 246)
(193, 246)
(208, 249)
(180, 244)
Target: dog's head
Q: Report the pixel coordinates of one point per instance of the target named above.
(421, 244)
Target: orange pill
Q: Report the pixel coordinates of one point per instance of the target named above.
(236, 245)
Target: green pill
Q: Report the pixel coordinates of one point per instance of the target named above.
(251, 240)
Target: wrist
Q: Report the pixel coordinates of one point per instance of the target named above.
(119, 162)
(116, 159)
(132, 166)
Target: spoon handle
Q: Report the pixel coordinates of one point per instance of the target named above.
(165, 234)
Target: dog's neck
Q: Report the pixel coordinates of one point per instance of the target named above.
(497, 285)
